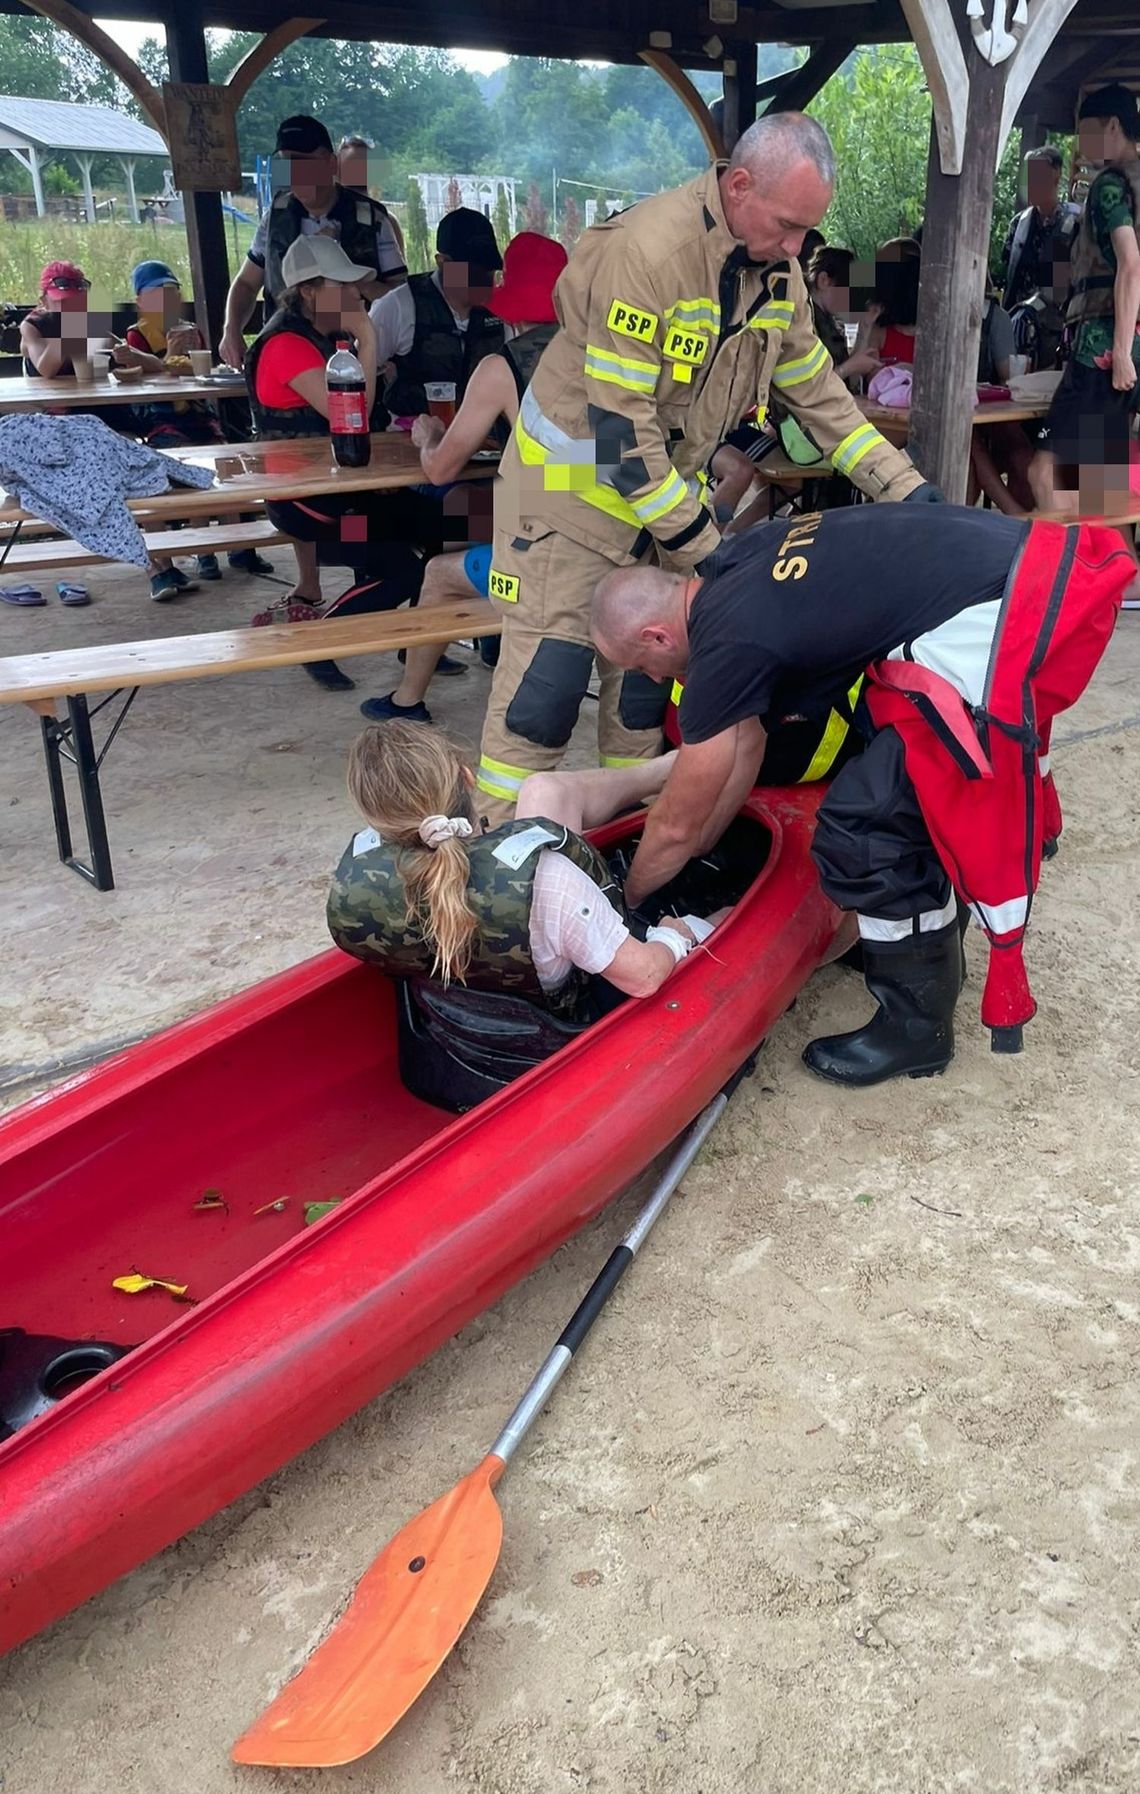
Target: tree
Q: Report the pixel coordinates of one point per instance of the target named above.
(501, 218)
(417, 232)
(571, 223)
(534, 217)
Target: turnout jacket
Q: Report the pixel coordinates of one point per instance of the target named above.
(669, 338)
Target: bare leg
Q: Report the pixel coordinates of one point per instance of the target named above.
(1043, 484)
(308, 587)
(582, 800)
(444, 582)
(984, 470)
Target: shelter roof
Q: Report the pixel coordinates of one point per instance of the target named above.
(55, 124)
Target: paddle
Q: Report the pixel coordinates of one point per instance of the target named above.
(412, 1604)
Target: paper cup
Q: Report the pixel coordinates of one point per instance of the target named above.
(201, 361)
(1018, 366)
(83, 370)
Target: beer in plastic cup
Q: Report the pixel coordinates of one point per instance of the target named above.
(201, 361)
(441, 400)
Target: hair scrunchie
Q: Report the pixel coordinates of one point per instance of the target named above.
(435, 830)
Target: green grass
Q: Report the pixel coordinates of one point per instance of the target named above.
(105, 252)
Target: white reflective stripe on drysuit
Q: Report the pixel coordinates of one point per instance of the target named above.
(1002, 918)
(958, 649)
(891, 928)
(1043, 764)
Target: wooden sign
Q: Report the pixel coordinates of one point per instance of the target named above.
(201, 130)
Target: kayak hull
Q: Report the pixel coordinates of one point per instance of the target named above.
(280, 1351)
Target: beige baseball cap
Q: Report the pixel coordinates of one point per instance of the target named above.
(320, 258)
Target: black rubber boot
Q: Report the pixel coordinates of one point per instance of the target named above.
(326, 673)
(916, 982)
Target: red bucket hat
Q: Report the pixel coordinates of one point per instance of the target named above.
(63, 277)
(531, 265)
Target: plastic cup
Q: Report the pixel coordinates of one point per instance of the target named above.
(1018, 366)
(201, 361)
(440, 396)
(82, 368)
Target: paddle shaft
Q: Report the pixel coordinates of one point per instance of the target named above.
(604, 1284)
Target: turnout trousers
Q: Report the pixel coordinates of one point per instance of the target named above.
(542, 585)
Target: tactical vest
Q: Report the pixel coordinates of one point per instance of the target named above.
(272, 421)
(521, 354)
(439, 351)
(368, 907)
(1094, 276)
(359, 219)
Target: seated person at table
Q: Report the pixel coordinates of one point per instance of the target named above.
(160, 331)
(888, 324)
(369, 531)
(525, 302)
(438, 326)
(60, 330)
(528, 907)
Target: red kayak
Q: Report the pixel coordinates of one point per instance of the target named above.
(127, 1418)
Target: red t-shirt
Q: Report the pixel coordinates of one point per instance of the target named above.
(282, 359)
(897, 346)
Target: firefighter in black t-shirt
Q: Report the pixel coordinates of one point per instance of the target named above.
(974, 630)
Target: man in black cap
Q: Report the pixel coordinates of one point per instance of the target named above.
(310, 202)
(437, 326)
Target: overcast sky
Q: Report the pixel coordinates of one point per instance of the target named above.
(130, 35)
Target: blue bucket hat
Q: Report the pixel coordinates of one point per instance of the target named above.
(153, 274)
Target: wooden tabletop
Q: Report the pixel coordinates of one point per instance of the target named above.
(1000, 411)
(27, 678)
(19, 393)
(261, 471)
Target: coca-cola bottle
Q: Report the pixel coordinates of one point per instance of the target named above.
(348, 406)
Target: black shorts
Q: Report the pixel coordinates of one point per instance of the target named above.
(1089, 422)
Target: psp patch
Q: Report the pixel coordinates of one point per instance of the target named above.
(630, 320)
(686, 350)
(503, 586)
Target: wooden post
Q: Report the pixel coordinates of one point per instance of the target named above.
(739, 90)
(84, 162)
(128, 163)
(205, 224)
(955, 253)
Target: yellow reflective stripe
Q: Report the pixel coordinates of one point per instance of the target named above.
(611, 761)
(846, 458)
(578, 479)
(804, 367)
(777, 314)
(832, 740)
(677, 692)
(663, 498)
(498, 779)
(694, 312)
(621, 370)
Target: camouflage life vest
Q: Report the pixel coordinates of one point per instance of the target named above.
(1094, 277)
(368, 907)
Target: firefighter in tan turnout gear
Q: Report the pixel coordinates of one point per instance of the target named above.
(678, 320)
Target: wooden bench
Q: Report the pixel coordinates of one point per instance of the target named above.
(45, 553)
(114, 668)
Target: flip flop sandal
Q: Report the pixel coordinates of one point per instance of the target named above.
(285, 611)
(73, 595)
(26, 595)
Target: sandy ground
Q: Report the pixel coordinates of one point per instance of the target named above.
(843, 1493)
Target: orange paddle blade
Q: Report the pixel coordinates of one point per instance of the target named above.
(408, 1611)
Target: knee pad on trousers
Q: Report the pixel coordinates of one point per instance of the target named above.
(642, 702)
(549, 696)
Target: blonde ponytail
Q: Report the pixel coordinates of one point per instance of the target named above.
(399, 774)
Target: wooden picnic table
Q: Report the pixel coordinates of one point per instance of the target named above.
(19, 393)
(894, 422)
(249, 474)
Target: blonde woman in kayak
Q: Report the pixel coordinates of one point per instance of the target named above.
(528, 907)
